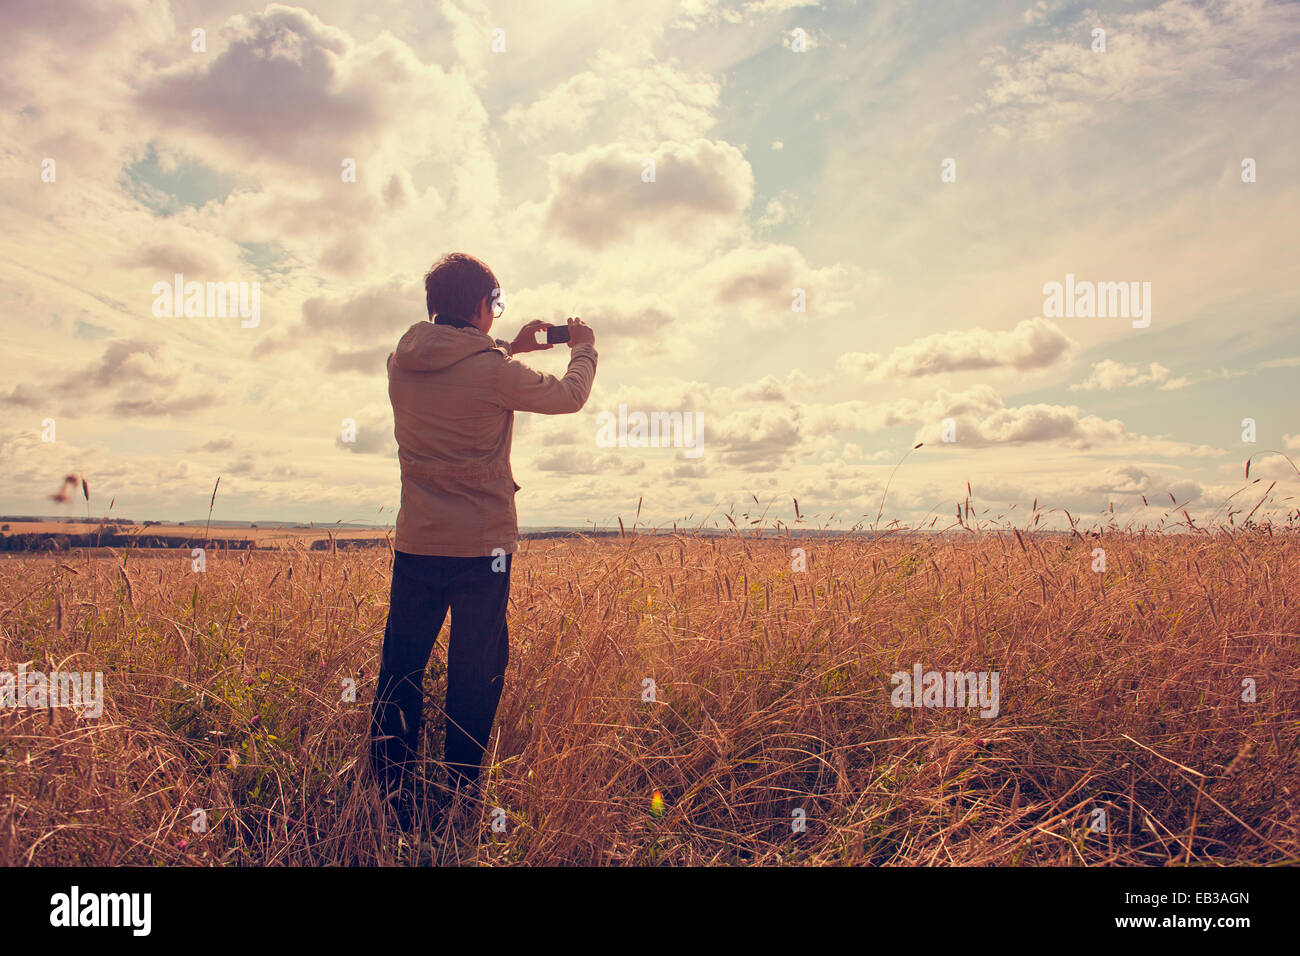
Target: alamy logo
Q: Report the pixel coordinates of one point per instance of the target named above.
(1098, 300)
(37, 690)
(656, 430)
(102, 909)
(946, 689)
(213, 300)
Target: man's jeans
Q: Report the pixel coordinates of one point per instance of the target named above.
(424, 587)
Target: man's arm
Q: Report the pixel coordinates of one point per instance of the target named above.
(525, 390)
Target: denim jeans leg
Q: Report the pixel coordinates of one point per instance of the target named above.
(476, 664)
(417, 607)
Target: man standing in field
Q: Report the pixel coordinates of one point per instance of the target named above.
(454, 392)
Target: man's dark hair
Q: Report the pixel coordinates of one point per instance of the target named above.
(457, 284)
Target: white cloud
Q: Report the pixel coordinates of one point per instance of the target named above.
(637, 104)
(1108, 375)
(1060, 81)
(598, 197)
(712, 12)
(774, 213)
(756, 282)
(1033, 344)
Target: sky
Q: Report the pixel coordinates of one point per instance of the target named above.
(828, 232)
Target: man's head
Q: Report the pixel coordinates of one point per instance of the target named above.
(464, 287)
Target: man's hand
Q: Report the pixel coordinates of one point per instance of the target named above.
(526, 340)
(580, 333)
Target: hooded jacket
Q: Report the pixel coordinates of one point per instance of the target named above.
(454, 393)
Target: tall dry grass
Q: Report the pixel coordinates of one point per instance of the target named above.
(1120, 690)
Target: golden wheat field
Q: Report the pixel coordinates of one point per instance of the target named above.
(771, 738)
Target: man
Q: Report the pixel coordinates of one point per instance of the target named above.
(454, 392)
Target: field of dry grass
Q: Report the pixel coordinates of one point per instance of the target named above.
(1119, 690)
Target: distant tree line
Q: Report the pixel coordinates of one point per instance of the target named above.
(55, 541)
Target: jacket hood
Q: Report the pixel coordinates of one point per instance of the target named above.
(426, 347)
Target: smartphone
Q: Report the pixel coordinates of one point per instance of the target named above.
(557, 334)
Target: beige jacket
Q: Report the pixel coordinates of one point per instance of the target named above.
(454, 393)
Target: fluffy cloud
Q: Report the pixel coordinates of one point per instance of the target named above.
(226, 443)
(581, 461)
(981, 419)
(1108, 375)
(1033, 344)
(130, 378)
(67, 71)
(374, 435)
(597, 197)
(1042, 422)
(695, 13)
(1061, 81)
(636, 104)
(377, 313)
(168, 259)
(288, 88)
(758, 438)
(368, 361)
(1124, 480)
(756, 281)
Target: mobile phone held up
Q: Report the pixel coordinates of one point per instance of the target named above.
(557, 334)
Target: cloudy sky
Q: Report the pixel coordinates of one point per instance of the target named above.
(913, 174)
